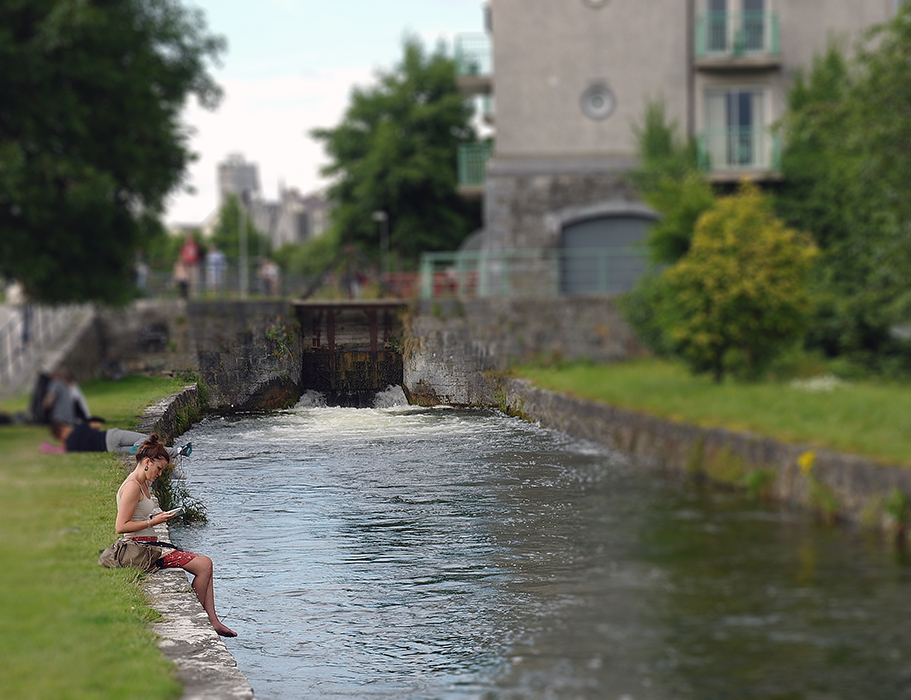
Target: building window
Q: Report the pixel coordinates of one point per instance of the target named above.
(736, 134)
(736, 25)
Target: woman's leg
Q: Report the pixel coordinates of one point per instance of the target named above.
(201, 568)
(118, 440)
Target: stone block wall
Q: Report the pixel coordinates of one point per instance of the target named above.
(451, 345)
(521, 198)
(248, 354)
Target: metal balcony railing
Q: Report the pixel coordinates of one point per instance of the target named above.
(736, 34)
(472, 165)
(530, 273)
(473, 54)
(739, 149)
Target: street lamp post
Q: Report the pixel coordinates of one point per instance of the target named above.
(244, 261)
(382, 218)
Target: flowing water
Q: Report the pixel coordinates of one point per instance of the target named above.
(404, 552)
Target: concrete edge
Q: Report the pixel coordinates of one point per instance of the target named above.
(205, 667)
(859, 485)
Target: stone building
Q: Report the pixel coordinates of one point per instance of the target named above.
(563, 82)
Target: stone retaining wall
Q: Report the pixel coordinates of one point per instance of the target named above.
(858, 485)
(205, 667)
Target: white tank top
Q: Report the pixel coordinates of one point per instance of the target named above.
(145, 509)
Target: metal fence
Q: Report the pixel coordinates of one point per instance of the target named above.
(28, 331)
(530, 273)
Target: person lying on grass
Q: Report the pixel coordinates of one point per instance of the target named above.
(85, 437)
(138, 513)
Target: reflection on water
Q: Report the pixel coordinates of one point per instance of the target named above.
(404, 552)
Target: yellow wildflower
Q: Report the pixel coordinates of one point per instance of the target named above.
(806, 462)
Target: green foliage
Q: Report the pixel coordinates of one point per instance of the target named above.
(671, 183)
(227, 233)
(739, 296)
(896, 506)
(396, 151)
(845, 181)
(92, 143)
(313, 257)
(758, 482)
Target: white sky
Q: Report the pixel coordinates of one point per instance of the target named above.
(289, 67)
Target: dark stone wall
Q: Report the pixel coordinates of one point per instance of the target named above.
(248, 354)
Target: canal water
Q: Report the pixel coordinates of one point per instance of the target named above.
(402, 553)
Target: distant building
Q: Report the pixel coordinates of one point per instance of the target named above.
(237, 177)
(293, 218)
(564, 82)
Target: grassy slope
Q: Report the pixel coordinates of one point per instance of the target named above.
(69, 628)
(864, 418)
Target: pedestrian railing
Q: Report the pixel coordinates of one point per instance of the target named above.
(473, 54)
(31, 330)
(531, 273)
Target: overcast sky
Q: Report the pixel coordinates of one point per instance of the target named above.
(289, 67)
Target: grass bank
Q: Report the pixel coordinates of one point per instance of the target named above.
(69, 628)
(867, 418)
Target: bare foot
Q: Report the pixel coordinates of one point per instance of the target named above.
(224, 631)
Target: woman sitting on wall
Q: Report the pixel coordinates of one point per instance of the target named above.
(138, 513)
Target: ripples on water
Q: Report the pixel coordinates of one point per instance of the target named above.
(404, 552)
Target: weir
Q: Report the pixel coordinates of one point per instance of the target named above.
(350, 350)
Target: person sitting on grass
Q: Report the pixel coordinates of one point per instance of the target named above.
(138, 513)
(85, 437)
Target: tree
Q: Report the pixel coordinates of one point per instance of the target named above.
(91, 141)
(846, 172)
(396, 151)
(227, 233)
(740, 294)
(670, 182)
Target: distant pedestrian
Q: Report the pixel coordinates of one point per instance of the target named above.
(216, 265)
(181, 279)
(269, 276)
(190, 256)
(16, 296)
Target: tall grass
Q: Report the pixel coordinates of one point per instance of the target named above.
(867, 418)
(69, 628)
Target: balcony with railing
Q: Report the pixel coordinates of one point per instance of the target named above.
(474, 63)
(737, 40)
(736, 152)
(472, 167)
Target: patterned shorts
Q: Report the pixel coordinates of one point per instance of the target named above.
(175, 558)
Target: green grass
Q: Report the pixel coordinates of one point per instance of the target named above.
(867, 418)
(68, 627)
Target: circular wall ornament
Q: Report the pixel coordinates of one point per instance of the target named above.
(598, 102)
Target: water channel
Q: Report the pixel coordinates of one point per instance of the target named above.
(405, 553)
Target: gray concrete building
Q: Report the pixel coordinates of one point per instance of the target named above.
(293, 218)
(564, 82)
